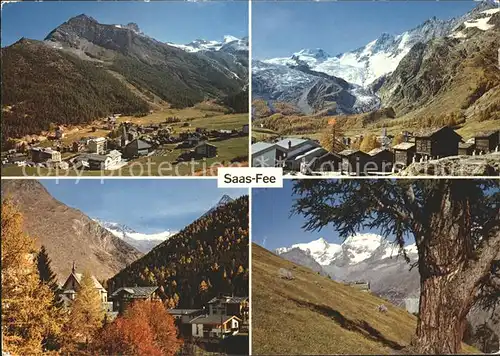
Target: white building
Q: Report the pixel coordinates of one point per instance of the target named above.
(97, 145)
(214, 326)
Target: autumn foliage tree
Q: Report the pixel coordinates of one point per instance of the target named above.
(456, 228)
(87, 313)
(28, 312)
(369, 143)
(146, 328)
(331, 137)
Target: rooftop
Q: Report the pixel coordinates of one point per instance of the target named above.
(136, 292)
(183, 311)
(404, 146)
(211, 319)
(316, 149)
(260, 146)
(292, 141)
(228, 299)
(485, 134)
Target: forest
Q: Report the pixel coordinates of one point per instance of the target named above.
(208, 257)
(41, 86)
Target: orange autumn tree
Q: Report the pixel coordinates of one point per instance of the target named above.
(146, 328)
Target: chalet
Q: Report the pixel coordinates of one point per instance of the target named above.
(97, 145)
(126, 295)
(361, 285)
(328, 162)
(382, 159)
(266, 154)
(404, 154)
(226, 305)
(137, 148)
(206, 149)
(466, 148)
(40, 154)
(132, 134)
(307, 157)
(99, 162)
(441, 142)
(183, 317)
(487, 141)
(70, 289)
(214, 326)
(354, 161)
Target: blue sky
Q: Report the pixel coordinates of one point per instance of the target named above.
(178, 22)
(146, 205)
(272, 226)
(282, 28)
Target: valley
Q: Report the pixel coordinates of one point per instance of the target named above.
(118, 76)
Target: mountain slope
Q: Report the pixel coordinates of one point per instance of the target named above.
(208, 257)
(85, 70)
(68, 234)
(41, 86)
(311, 314)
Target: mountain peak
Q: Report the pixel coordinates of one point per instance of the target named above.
(225, 199)
(82, 17)
(317, 53)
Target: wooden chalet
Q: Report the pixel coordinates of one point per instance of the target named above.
(206, 149)
(123, 296)
(487, 141)
(466, 148)
(440, 142)
(382, 159)
(328, 162)
(403, 154)
(354, 161)
(183, 317)
(214, 326)
(137, 148)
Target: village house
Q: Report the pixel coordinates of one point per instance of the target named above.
(183, 317)
(40, 154)
(132, 134)
(72, 285)
(487, 141)
(215, 326)
(123, 296)
(466, 148)
(100, 162)
(434, 143)
(137, 148)
(328, 162)
(229, 305)
(382, 159)
(78, 146)
(354, 161)
(206, 149)
(97, 145)
(287, 153)
(404, 153)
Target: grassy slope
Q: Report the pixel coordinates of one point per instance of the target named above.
(312, 314)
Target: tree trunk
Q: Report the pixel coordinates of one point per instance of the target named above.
(447, 286)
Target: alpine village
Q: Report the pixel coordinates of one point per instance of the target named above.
(80, 290)
(422, 102)
(107, 98)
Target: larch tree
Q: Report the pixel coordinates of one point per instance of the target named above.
(28, 313)
(456, 228)
(87, 313)
(331, 137)
(369, 143)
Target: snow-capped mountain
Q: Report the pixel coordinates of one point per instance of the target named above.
(353, 250)
(143, 242)
(364, 69)
(228, 44)
(310, 91)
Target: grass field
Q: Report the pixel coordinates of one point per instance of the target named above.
(227, 149)
(312, 314)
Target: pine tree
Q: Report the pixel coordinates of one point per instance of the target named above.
(28, 313)
(456, 227)
(45, 272)
(87, 313)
